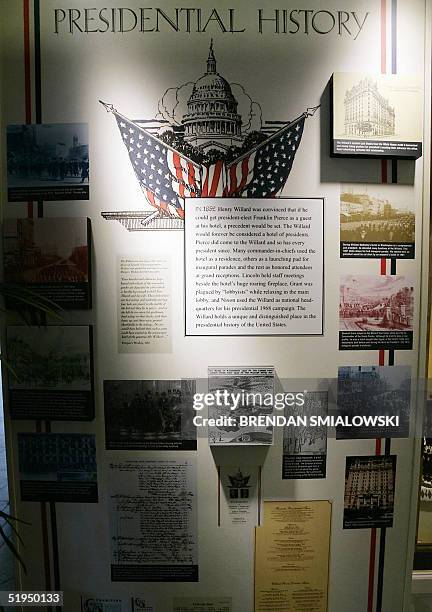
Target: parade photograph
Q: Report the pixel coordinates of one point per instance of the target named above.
(51, 250)
(149, 414)
(56, 357)
(376, 303)
(374, 391)
(377, 214)
(48, 161)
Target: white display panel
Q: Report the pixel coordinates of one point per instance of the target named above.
(285, 69)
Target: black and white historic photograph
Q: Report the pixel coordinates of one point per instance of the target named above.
(58, 467)
(48, 161)
(247, 389)
(372, 392)
(149, 415)
(377, 221)
(376, 312)
(377, 115)
(51, 372)
(304, 447)
(51, 256)
(369, 491)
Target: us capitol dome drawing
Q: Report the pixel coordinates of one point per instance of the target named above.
(212, 121)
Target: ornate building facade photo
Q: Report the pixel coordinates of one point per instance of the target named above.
(367, 112)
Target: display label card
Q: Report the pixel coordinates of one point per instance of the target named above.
(239, 499)
(142, 603)
(202, 604)
(254, 267)
(144, 304)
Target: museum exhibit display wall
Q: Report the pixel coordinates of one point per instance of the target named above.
(222, 198)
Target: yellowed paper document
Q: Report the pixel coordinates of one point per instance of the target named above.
(292, 557)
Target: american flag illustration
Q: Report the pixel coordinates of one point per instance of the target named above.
(167, 176)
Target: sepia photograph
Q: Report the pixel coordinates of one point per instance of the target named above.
(305, 447)
(372, 391)
(376, 312)
(57, 467)
(369, 491)
(51, 256)
(377, 221)
(250, 385)
(51, 372)
(48, 161)
(149, 415)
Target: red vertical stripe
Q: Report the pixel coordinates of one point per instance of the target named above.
(245, 171)
(378, 446)
(191, 179)
(371, 570)
(233, 179)
(216, 178)
(179, 174)
(383, 36)
(384, 176)
(219, 498)
(381, 354)
(27, 78)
